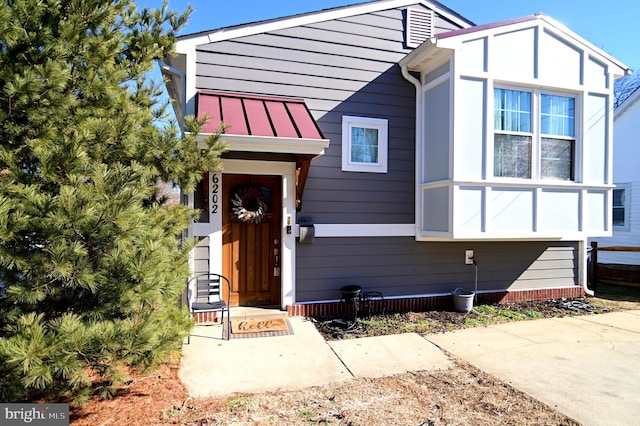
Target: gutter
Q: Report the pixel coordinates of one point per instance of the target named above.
(182, 102)
(411, 79)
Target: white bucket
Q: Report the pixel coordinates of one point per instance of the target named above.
(463, 300)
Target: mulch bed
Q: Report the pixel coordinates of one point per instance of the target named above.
(432, 321)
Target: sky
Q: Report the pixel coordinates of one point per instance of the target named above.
(611, 26)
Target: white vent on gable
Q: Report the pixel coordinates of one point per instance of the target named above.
(419, 26)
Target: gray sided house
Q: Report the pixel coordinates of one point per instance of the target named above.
(375, 144)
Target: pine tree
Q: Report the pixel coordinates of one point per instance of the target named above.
(91, 262)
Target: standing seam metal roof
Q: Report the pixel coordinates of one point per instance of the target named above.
(252, 115)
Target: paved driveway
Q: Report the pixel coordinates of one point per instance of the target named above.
(587, 367)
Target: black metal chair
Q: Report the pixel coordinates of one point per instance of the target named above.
(205, 294)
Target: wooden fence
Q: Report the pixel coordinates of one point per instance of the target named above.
(628, 275)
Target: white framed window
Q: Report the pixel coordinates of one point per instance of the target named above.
(513, 133)
(364, 144)
(557, 136)
(534, 134)
(620, 213)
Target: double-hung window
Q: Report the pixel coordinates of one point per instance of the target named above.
(534, 135)
(513, 136)
(557, 131)
(364, 144)
(621, 206)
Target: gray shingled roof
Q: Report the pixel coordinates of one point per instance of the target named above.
(624, 87)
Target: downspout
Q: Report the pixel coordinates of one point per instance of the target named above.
(582, 246)
(411, 79)
(183, 96)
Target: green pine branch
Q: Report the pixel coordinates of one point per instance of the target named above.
(90, 265)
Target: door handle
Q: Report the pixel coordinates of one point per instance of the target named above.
(276, 265)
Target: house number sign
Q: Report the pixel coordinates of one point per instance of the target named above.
(215, 193)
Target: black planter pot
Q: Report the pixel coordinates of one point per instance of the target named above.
(350, 293)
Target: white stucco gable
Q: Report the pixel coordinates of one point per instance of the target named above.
(514, 132)
(532, 47)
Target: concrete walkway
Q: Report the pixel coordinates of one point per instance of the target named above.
(212, 367)
(587, 367)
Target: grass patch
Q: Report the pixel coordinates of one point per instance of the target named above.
(509, 314)
(237, 403)
(531, 314)
(384, 326)
(306, 414)
(474, 322)
(491, 314)
(420, 326)
(485, 309)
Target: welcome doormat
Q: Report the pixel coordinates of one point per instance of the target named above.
(266, 327)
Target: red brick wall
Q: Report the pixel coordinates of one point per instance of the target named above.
(205, 317)
(334, 309)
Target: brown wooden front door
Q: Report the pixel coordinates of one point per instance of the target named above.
(251, 252)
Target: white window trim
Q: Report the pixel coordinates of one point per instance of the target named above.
(381, 125)
(536, 141)
(627, 206)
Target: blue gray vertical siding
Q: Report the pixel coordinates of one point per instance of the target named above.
(349, 66)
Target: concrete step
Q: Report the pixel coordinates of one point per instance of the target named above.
(249, 313)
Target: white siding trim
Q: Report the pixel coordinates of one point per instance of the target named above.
(314, 17)
(272, 144)
(288, 260)
(543, 23)
(189, 50)
(364, 230)
(488, 232)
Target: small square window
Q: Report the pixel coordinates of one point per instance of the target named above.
(364, 144)
(620, 203)
(201, 198)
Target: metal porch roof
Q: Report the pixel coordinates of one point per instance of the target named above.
(251, 115)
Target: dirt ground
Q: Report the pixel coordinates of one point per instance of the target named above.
(460, 395)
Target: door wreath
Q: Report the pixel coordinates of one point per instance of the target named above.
(249, 204)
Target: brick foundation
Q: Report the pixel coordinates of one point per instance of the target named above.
(333, 309)
(205, 317)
